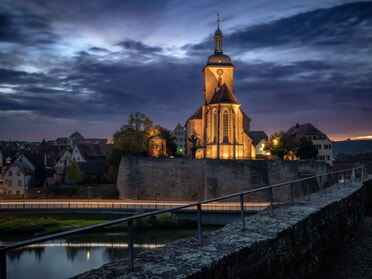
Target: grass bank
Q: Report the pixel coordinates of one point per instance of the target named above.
(35, 224)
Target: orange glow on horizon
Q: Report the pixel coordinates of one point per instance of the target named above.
(343, 138)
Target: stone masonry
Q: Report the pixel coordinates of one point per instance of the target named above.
(296, 242)
(196, 180)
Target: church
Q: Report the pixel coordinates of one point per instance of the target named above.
(219, 128)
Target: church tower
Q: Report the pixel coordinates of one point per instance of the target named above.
(219, 129)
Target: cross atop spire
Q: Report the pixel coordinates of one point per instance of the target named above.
(218, 37)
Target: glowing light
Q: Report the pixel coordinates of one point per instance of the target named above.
(88, 254)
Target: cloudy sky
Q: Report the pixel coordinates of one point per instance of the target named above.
(85, 65)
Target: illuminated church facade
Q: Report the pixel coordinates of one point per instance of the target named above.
(219, 128)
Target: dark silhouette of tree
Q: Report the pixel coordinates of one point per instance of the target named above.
(194, 145)
(307, 150)
(167, 135)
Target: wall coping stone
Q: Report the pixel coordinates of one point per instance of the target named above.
(184, 258)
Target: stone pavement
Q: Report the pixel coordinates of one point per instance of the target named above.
(355, 260)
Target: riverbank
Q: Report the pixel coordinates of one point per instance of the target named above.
(31, 224)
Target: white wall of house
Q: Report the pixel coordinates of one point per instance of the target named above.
(15, 181)
(76, 155)
(22, 159)
(324, 146)
(64, 160)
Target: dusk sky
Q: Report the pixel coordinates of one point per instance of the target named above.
(84, 66)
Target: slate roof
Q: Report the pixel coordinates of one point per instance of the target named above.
(224, 95)
(196, 115)
(257, 136)
(298, 131)
(93, 167)
(93, 151)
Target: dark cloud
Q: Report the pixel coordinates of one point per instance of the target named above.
(25, 28)
(324, 27)
(310, 67)
(139, 47)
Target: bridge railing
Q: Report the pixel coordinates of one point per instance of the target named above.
(324, 181)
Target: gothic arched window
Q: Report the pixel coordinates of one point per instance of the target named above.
(215, 126)
(225, 131)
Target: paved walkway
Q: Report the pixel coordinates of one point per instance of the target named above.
(355, 260)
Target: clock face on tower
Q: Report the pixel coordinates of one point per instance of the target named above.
(219, 72)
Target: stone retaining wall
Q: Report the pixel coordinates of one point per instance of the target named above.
(296, 242)
(195, 180)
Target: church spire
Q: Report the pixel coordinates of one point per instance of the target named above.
(218, 37)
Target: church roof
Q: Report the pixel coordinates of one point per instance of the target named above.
(224, 95)
(197, 114)
(219, 59)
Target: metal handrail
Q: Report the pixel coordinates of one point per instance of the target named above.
(198, 205)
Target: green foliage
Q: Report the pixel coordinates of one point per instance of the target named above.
(163, 220)
(23, 224)
(281, 144)
(74, 173)
(307, 150)
(132, 139)
(167, 135)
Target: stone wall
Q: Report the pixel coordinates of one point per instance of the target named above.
(296, 242)
(195, 180)
(81, 191)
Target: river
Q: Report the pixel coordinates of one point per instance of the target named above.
(72, 255)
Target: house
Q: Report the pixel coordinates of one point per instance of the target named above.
(77, 138)
(179, 134)
(18, 176)
(318, 138)
(259, 141)
(88, 152)
(92, 159)
(62, 162)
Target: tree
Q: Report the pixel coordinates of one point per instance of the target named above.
(281, 144)
(132, 139)
(307, 150)
(167, 135)
(74, 173)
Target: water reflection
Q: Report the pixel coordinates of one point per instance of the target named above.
(64, 258)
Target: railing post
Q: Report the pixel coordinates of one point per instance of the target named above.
(271, 201)
(242, 211)
(292, 194)
(308, 190)
(2, 264)
(352, 176)
(130, 245)
(200, 235)
(320, 186)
